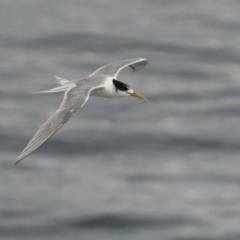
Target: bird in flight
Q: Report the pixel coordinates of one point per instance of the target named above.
(101, 83)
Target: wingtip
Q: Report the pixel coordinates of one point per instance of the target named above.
(139, 64)
(144, 59)
(18, 161)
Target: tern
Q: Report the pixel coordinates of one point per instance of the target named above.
(101, 83)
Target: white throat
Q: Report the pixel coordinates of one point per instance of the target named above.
(109, 91)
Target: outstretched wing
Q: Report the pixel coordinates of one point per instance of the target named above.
(74, 99)
(113, 69)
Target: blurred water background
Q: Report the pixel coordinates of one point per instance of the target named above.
(126, 169)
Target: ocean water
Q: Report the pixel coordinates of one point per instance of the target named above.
(164, 169)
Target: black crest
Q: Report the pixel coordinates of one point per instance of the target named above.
(120, 85)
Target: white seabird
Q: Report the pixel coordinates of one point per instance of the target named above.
(101, 83)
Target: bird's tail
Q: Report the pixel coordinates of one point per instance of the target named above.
(64, 86)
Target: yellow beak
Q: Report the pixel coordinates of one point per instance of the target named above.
(137, 95)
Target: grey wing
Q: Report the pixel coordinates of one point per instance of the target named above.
(74, 99)
(113, 69)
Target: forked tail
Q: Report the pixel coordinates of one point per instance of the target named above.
(64, 86)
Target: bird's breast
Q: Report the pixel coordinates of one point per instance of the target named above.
(106, 93)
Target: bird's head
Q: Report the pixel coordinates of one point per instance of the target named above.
(125, 90)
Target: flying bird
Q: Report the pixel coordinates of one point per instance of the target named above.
(101, 83)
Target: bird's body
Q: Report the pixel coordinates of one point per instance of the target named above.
(101, 83)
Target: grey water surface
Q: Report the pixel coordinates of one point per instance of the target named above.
(164, 169)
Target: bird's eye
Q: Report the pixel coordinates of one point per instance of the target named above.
(120, 85)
